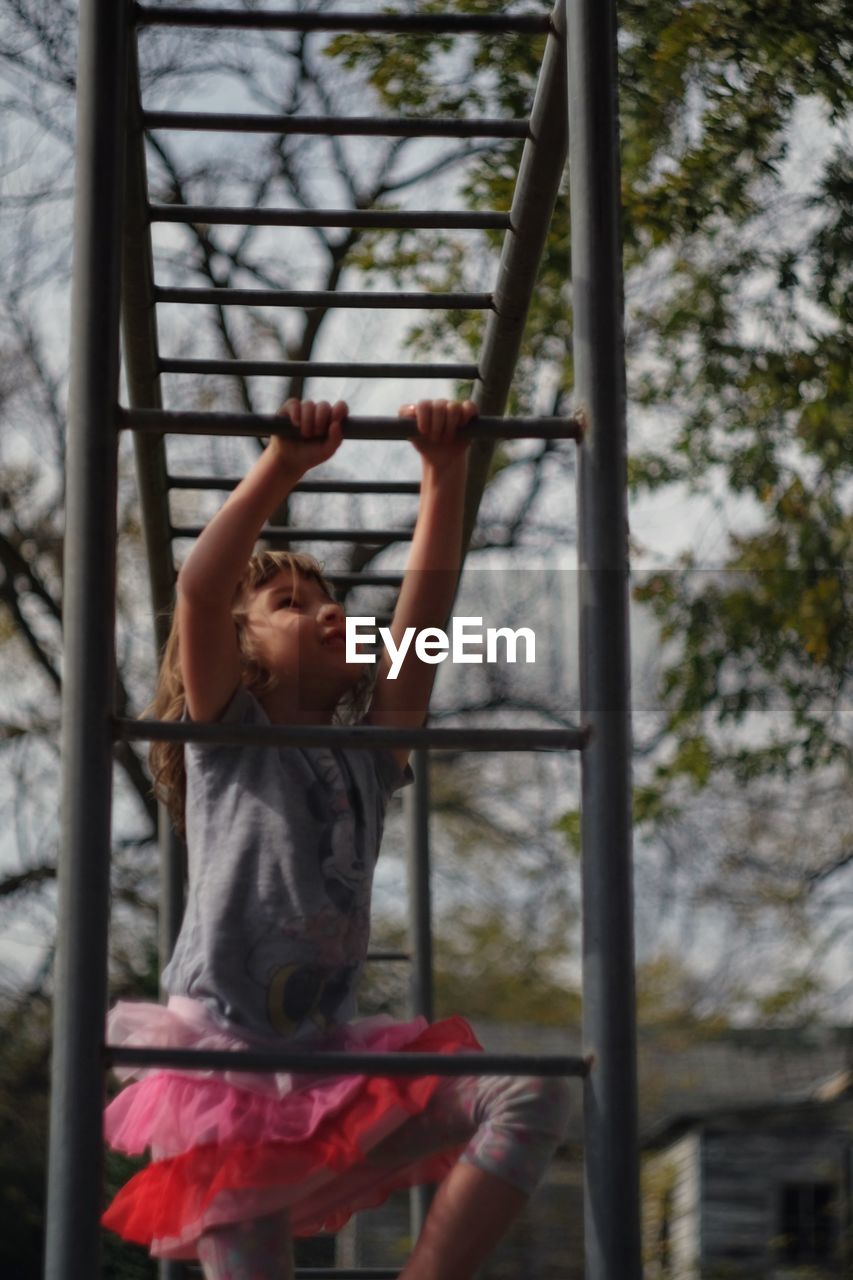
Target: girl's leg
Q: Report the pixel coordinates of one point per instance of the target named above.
(512, 1126)
(258, 1249)
(470, 1213)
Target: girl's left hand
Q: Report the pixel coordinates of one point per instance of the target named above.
(438, 422)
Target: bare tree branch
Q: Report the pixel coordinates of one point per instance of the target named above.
(29, 879)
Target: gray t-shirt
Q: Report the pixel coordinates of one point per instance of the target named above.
(282, 848)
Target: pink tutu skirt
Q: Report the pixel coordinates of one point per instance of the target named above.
(228, 1146)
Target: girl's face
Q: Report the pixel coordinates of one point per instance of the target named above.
(298, 635)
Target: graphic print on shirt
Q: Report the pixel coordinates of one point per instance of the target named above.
(336, 935)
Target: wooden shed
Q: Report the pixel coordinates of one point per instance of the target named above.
(763, 1191)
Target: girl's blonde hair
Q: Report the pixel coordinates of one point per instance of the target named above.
(169, 702)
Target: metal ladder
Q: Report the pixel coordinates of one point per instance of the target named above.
(114, 288)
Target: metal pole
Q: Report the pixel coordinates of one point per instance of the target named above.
(340, 126)
(139, 334)
(141, 362)
(192, 422)
(537, 186)
(612, 1228)
(74, 1184)
(420, 891)
(173, 856)
(420, 931)
(365, 737)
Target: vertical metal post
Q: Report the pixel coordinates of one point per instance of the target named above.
(539, 175)
(420, 889)
(172, 855)
(139, 333)
(420, 930)
(141, 362)
(74, 1185)
(612, 1226)
(172, 862)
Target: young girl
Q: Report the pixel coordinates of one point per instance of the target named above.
(282, 846)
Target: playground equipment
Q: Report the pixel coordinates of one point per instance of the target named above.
(114, 288)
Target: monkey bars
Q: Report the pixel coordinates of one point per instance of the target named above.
(114, 287)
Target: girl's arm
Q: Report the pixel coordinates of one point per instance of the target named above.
(209, 654)
(432, 570)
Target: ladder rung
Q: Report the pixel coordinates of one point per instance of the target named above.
(387, 219)
(380, 957)
(281, 535)
(343, 126)
(366, 737)
(354, 579)
(190, 422)
(347, 1273)
(317, 369)
(532, 24)
(327, 1062)
(304, 486)
(325, 299)
(329, 1273)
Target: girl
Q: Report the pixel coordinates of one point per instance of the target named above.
(282, 845)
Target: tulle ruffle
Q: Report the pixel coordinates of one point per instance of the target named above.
(235, 1145)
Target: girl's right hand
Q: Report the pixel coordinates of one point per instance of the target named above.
(320, 428)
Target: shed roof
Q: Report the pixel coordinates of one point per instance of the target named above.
(685, 1074)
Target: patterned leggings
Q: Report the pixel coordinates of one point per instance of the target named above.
(512, 1125)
